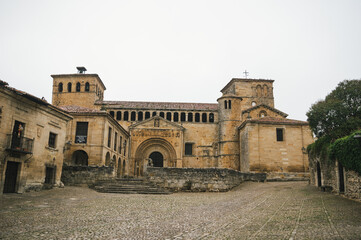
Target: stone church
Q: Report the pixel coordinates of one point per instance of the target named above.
(242, 131)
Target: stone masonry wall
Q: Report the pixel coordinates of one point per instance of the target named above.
(330, 177)
(85, 175)
(199, 179)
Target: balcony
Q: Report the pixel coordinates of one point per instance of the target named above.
(21, 145)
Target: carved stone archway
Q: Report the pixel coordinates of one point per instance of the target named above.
(149, 146)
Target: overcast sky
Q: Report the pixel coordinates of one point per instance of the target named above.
(184, 51)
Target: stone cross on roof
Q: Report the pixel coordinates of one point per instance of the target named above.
(245, 73)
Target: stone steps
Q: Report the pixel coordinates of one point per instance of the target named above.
(128, 186)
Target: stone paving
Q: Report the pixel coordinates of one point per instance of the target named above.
(288, 210)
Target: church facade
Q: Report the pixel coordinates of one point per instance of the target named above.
(242, 131)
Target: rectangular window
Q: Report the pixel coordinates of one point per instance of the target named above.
(81, 133)
(109, 136)
(120, 144)
(279, 132)
(188, 149)
(125, 147)
(115, 141)
(52, 140)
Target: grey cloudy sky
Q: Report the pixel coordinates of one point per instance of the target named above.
(184, 51)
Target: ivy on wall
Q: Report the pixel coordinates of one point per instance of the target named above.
(347, 150)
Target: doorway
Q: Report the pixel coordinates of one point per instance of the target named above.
(157, 159)
(50, 173)
(11, 176)
(318, 175)
(341, 179)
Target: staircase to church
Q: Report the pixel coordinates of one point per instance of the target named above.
(128, 186)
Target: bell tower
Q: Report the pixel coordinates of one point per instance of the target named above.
(238, 95)
(79, 89)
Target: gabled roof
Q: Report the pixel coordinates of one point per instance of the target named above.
(160, 119)
(159, 105)
(274, 121)
(265, 106)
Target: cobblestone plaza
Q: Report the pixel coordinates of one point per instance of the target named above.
(288, 210)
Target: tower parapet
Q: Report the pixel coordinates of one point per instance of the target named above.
(77, 89)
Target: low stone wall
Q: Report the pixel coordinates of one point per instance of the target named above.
(353, 185)
(199, 179)
(85, 175)
(288, 176)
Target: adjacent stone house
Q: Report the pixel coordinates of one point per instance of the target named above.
(95, 139)
(32, 141)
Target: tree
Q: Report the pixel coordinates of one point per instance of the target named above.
(339, 114)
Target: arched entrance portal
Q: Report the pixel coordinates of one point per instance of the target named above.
(80, 157)
(161, 152)
(157, 159)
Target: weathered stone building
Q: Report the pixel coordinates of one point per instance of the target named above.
(32, 141)
(243, 131)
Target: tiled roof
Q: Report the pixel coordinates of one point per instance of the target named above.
(272, 120)
(159, 105)
(32, 98)
(78, 109)
(24, 94)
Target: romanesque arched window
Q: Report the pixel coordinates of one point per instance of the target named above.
(262, 114)
(229, 104)
(119, 115)
(183, 117)
(60, 87)
(87, 87)
(197, 117)
(126, 116)
(176, 117)
(204, 117)
(69, 87)
(77, 88)
(147, 115)
(265, 90)
(259, 91)
(132, 116)
(140, 116)
(161, 114)
(111, 113)
(190, 117)
(154, 114)
(169, 116)
(211, 117)
(225, 104)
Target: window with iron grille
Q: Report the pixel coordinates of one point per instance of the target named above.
(188, 149)
(81, 133)
(52, 140)
(279, 132)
